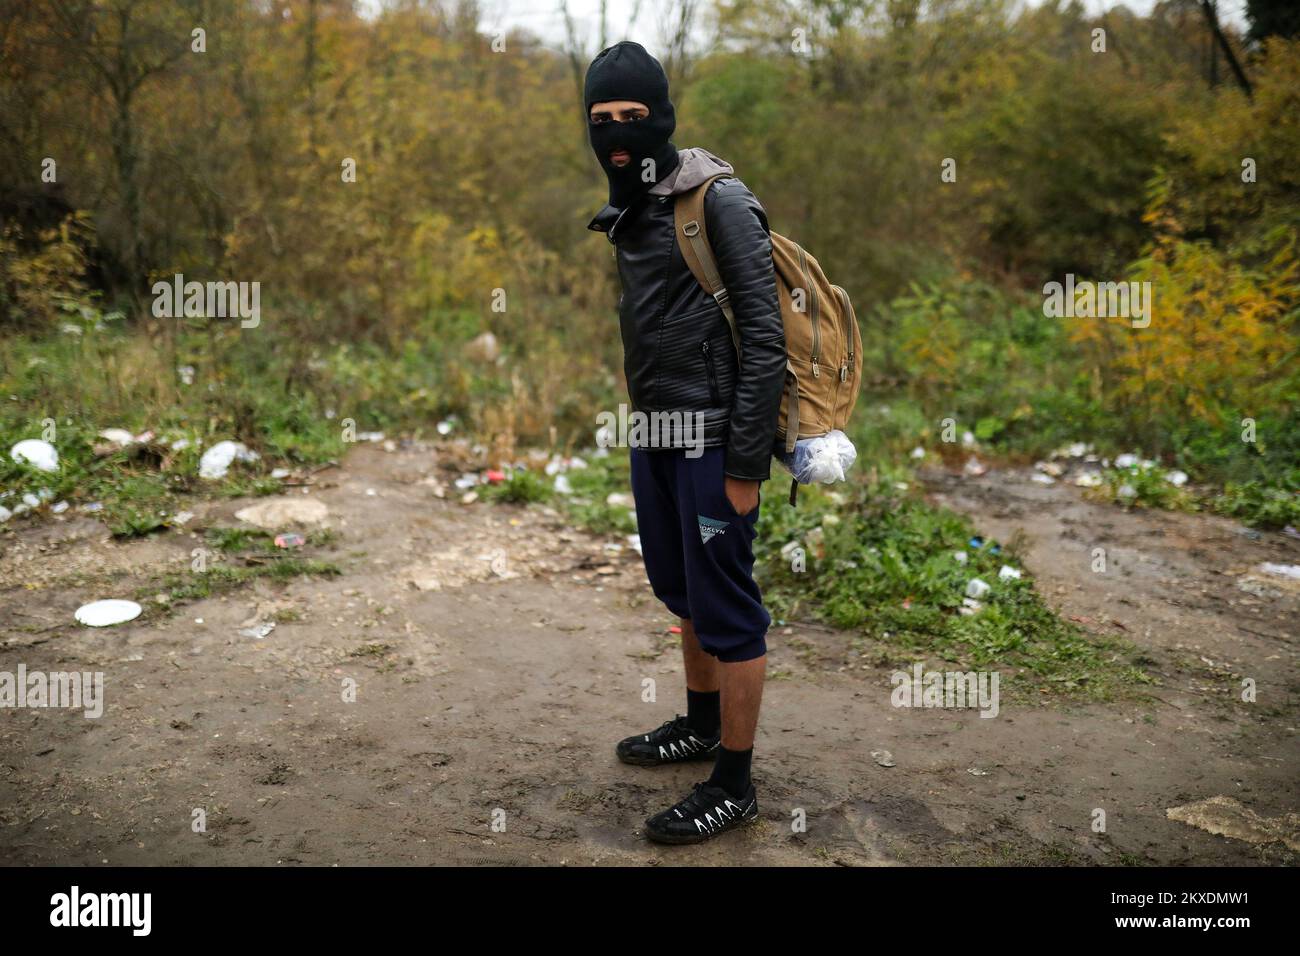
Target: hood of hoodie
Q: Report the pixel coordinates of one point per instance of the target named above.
(694, 166)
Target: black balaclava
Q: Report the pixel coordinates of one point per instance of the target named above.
(625, 71)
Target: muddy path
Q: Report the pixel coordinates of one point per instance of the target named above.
(494, 689)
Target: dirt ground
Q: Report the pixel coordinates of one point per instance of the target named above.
(494, 691)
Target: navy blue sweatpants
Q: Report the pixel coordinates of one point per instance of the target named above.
(698, 551)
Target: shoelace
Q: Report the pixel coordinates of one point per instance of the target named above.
(668, 725)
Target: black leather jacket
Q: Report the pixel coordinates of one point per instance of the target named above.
(678, 351)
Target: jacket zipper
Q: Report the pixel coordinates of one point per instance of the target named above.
(816, 330)
(714, 392)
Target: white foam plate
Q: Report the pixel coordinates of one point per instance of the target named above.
(106, 613)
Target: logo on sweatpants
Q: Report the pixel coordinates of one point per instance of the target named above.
(709, 527)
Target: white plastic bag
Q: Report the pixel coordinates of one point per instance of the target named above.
(824, 458)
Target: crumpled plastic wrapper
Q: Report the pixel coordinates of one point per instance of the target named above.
(823, 459)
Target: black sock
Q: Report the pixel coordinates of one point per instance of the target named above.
(704, 711)
(731, 771)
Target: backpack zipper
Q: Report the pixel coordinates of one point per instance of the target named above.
(714, 393)
(850, 322)
(816, 330)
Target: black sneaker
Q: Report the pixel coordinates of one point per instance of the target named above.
(706, 812)
(674, 742)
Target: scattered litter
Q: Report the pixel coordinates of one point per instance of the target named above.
(901, 486)
(216, 460)
(1039, 478)
(5, 514)
(1176, 478)
(918, 452)
(970, 606)
(1291, 532)
(1089, 479)
(59, 507)
(619, 499)
(469, 497)
(182, 517)
(558, 465)
(37, 453)
(92, 507)
(975, 588)
(281, 512)
(961, 557)
(186, 372)
(484, 348)
(1253, 585)
(1050, 468)
(494, 477)
(562, 485)
(977, 772)
(445, 426)
(466, 481)
(968, 439)
(118, 436)
(823, 458)
(1008, 573)
(974, 467)
(976, 542)
(258, 631)
(674, 629)
(370, 492)
(634, 542)
(1225, 816)
(1076, 449)
(370, 436)
(883, 757)
(290, 539)
(1126, 491)
(1285, 570)
(1126, 461)
(107, 613)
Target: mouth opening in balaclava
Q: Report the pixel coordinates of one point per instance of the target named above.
(625, 71)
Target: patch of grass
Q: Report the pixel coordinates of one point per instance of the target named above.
(240, 539)
(1259, 505)
(374, 649)
(195, 586)
(884, 563)
(522, 486)
(1143, 485)
(588, 507)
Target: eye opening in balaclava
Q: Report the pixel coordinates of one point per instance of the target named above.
(625, 71)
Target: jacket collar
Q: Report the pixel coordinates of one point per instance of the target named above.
(605, 219)
(609, 218)
(694, 166)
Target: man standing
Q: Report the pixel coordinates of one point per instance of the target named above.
(697, 487)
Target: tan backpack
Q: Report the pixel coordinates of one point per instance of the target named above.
(823, 344)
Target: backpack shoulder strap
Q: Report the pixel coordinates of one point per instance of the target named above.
(693, 239)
